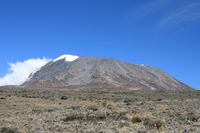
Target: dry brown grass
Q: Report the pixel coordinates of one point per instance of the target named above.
(13, 105)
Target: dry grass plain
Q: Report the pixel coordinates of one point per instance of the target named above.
(29, 110)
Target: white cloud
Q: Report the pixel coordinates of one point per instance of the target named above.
(167, 14)
(19, 72)
(184, 14)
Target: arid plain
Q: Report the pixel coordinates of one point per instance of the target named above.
(31, 110)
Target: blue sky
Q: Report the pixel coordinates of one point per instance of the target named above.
(160, 33)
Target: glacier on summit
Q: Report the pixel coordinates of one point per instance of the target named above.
(67, 57)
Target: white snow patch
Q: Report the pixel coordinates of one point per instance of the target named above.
(67, 57)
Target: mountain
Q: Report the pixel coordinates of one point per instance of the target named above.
(93, 72)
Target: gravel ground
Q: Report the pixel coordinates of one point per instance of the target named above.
(60, 111)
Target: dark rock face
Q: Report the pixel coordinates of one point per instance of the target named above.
(103, 73)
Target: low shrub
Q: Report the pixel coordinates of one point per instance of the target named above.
(26, 96)
(75, 107)
(122, 113)
(94, 109)
(159, 99)
(136, 119)
(73, 117)
(104, 104)
(3, 98)
(87, 117)
(7, 130)
(101, 117)
(157, 124)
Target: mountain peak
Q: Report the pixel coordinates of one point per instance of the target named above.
(104, 73)
(67, 57)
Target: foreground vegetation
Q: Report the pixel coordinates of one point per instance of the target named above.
(55, 110)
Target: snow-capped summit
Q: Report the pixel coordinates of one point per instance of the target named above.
(102, 73)
(67, 57)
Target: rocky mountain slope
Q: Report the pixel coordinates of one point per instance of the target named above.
(102, 73)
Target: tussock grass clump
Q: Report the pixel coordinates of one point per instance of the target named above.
(52, 99)
(191, 113)
(26, 96)
(116, 115)
(95, 117)
(101, 117)
(85, 117)
(91, 100)
(75, 107)
(104, 104)
(73, 117)
(157, 124)
(2, 98)
(94, 109)
(136, 119)
(84, 99)
(7, 130)
(122, 113)
(159, 99)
